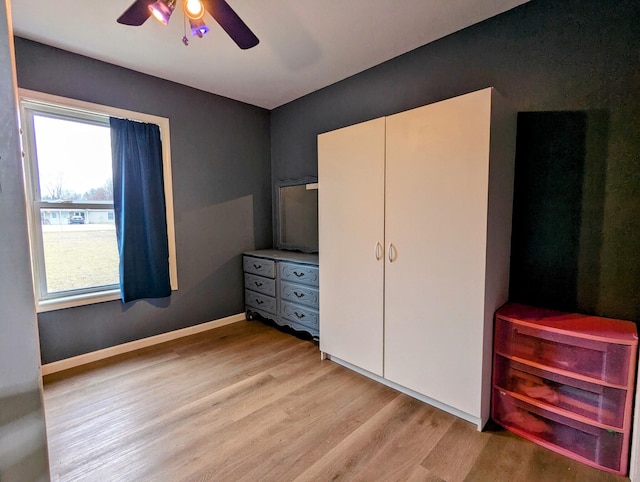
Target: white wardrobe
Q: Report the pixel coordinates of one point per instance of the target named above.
(414, 232)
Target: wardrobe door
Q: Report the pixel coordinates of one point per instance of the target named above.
(436, 227)
(351, 243)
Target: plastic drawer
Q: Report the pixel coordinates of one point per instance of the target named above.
(602, 404)
(595, 446)
(598, 360)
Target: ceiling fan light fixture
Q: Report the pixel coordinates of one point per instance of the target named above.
(198, 27)
(162, 10)
(140, 10)
(194, 9)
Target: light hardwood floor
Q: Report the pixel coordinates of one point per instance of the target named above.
(247, 402)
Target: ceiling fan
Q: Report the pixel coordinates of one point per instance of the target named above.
(220, 10)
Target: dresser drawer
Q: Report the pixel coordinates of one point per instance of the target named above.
(298, 273)
(598, 360)
(299, 294)
(593, 445)
(299, 314)
(599, 403)
(260, 284)
(259, 266)
(261, 302)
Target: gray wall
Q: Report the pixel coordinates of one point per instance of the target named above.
(222, 197)
(23, 446)
(546, 56)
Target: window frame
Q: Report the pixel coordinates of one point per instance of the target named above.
(33, 103)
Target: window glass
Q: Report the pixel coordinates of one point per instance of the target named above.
(81, 251)
(71, 164)
(70, 199)
(74, 159)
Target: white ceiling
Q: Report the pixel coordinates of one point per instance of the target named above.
(304, 44)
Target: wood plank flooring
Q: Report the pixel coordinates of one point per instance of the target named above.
(246, 402)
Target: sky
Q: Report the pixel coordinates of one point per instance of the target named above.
(82, 152)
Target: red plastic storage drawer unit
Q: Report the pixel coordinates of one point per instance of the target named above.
(566, 382)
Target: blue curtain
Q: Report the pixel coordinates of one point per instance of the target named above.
(139, 206)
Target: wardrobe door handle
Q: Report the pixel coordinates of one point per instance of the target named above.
(378, 251)
(392, 253)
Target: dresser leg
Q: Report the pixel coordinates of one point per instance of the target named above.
(323, 355)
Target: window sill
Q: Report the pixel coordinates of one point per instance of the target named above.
(77, 300)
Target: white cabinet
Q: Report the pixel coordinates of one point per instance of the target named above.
(414, 231)
(351, 234)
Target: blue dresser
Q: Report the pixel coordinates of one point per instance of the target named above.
(282, 286)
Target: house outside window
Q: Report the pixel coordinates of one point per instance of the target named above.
(69, 187)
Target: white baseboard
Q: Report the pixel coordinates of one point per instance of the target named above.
(93, 356)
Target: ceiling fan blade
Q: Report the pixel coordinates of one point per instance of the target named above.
(136, 14)
(231, 23)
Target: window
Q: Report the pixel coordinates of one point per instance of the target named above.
(69, 186)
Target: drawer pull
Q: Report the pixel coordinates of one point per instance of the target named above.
(257, 266)
(259, 301)
(299, 295)
(299, 315)
(258, 283)
(299, 275)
